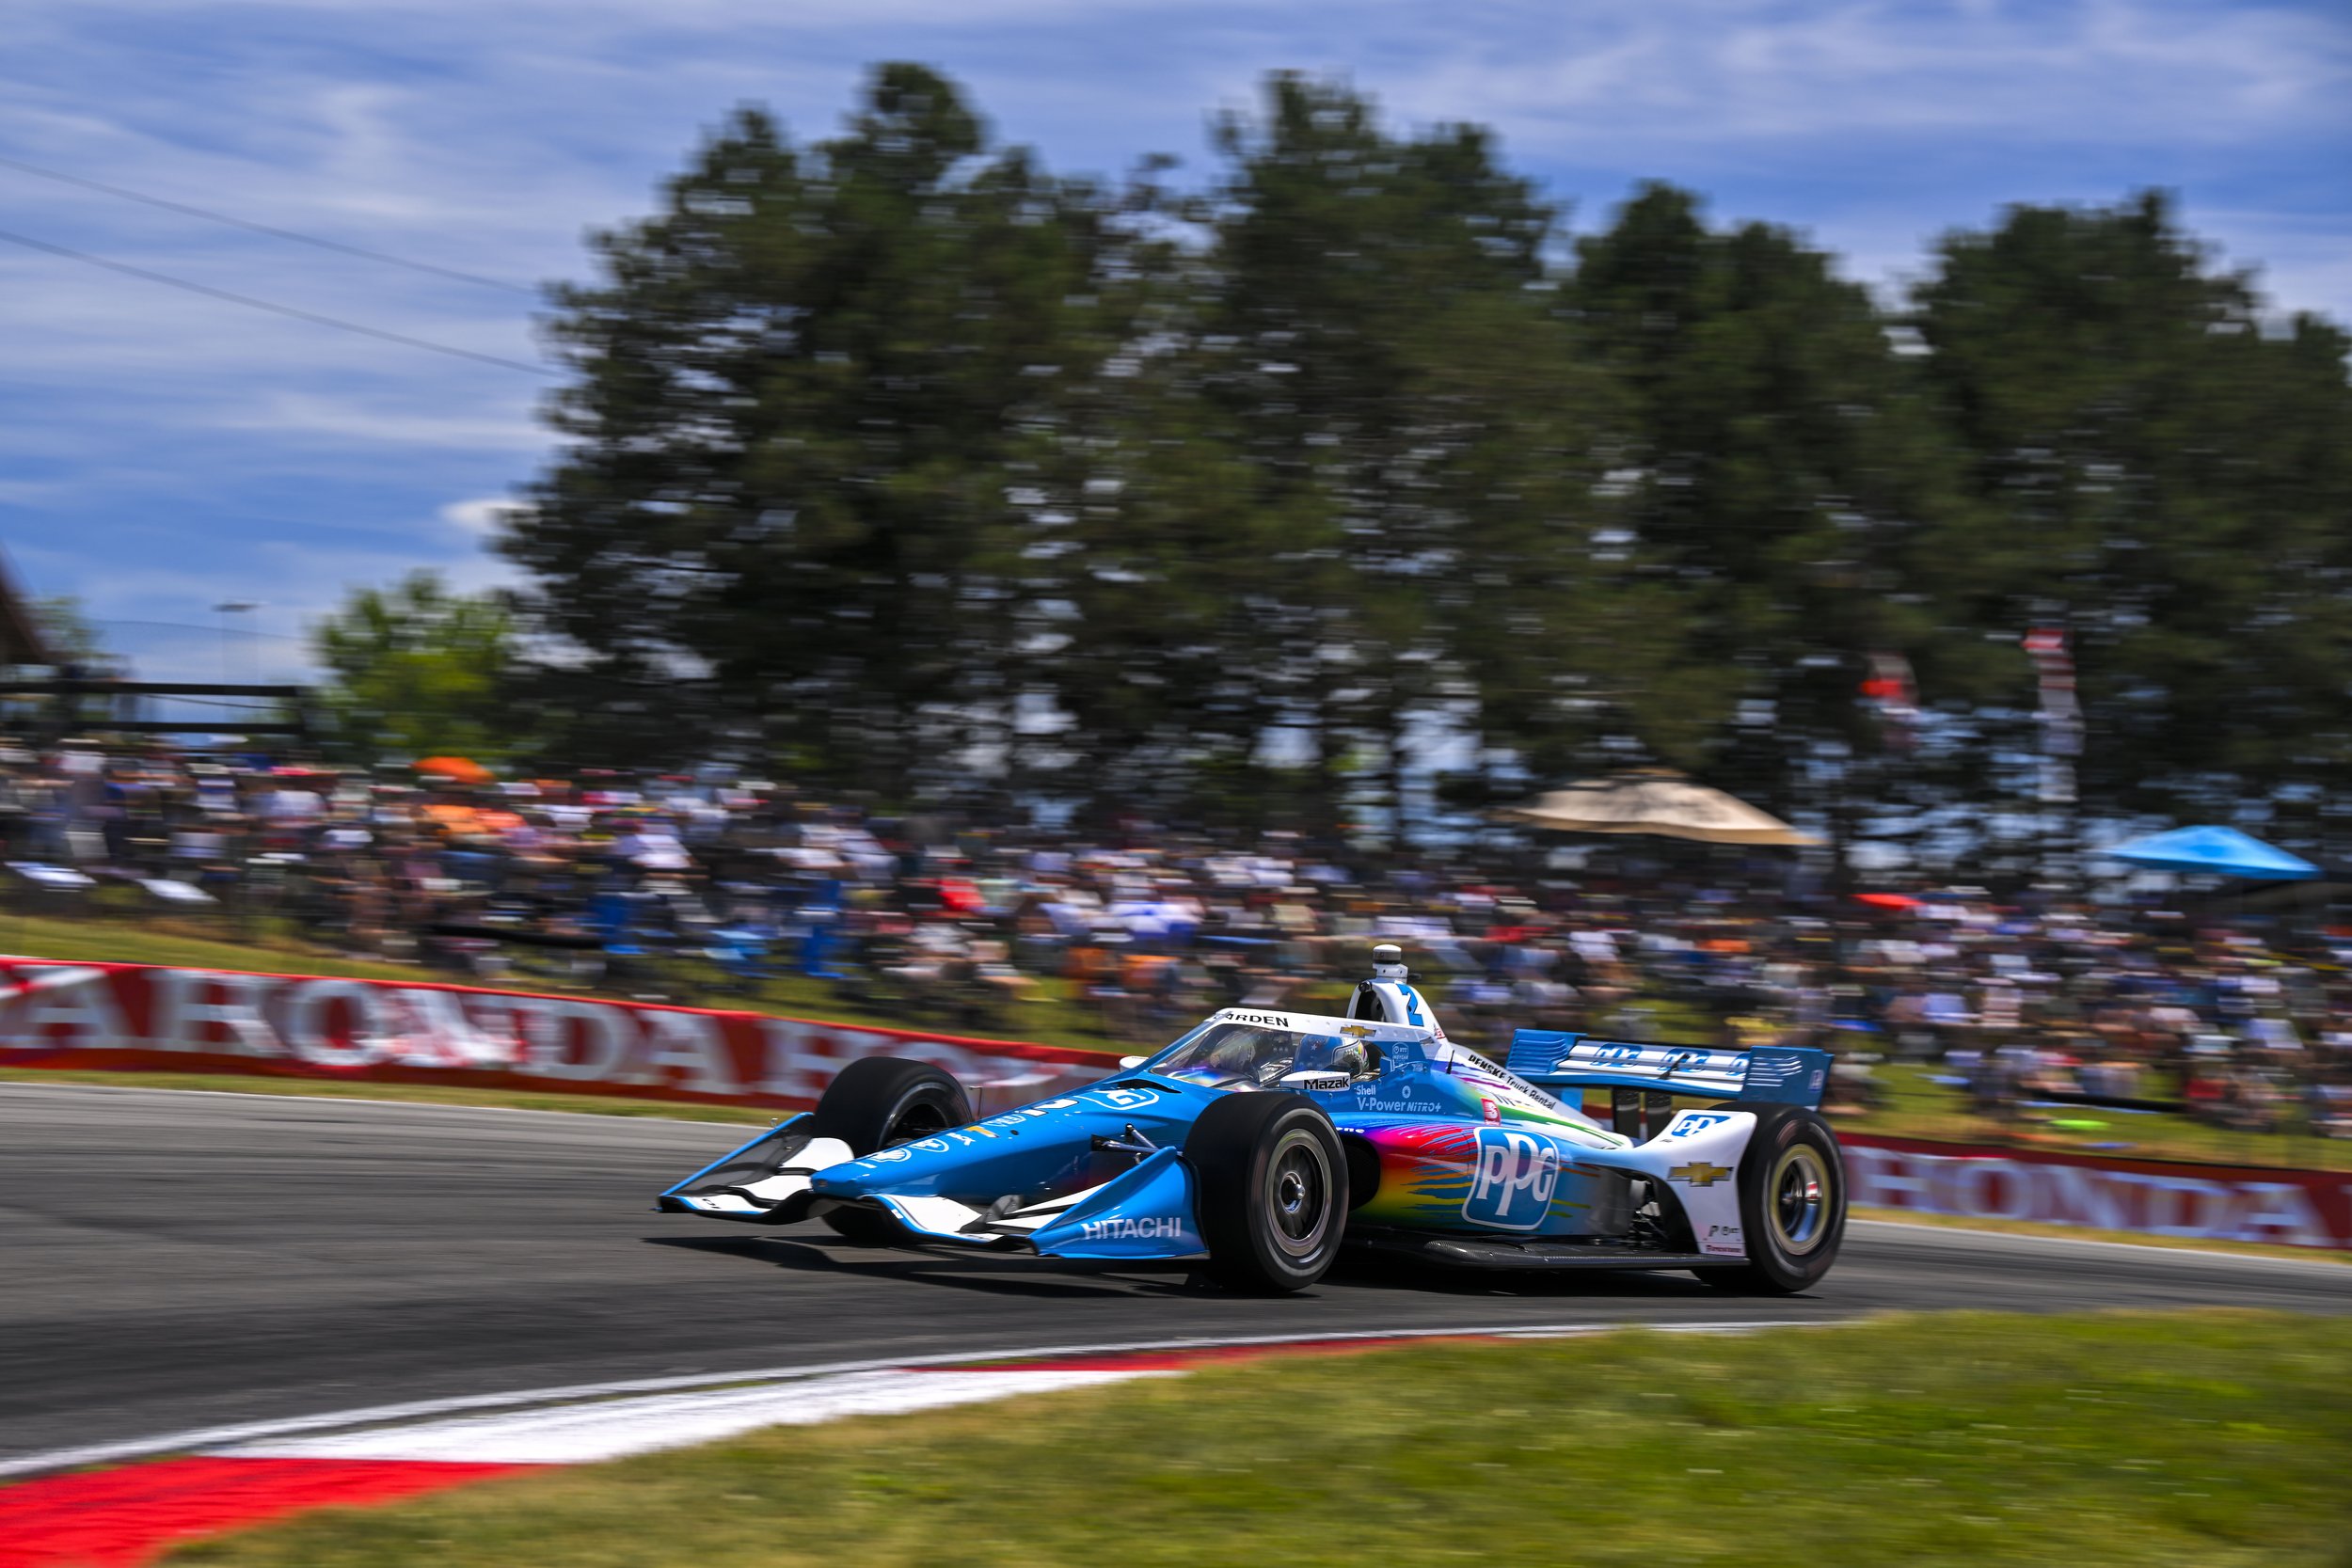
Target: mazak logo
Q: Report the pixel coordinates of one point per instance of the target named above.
(1122, 1100)
(1517, 1174)
(1161, 1227)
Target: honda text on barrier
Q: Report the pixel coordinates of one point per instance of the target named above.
(1263, 1139)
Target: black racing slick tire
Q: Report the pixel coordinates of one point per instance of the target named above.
(877, 1101)
(1793, 1203)
(1272, 1184)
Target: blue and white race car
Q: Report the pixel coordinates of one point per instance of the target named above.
(1261, 1140)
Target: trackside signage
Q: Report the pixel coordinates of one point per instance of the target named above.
(2221, 1203)
(137, 1016)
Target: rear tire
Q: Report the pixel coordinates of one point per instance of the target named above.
(1793, 1203)
(877, 1101)
(1272, 1180)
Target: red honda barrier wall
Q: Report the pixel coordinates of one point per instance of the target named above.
(2221, 1203)
(139, 1016)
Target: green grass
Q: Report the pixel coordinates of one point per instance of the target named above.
(419, 1094)
(1915, 1107)
(122, 943)
(2213, 1440)
(1055, 1019)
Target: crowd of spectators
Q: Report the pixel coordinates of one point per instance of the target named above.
(708, 889)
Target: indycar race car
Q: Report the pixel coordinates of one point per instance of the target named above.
(1263, 1139)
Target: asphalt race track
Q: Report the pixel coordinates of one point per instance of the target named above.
(175, 1260)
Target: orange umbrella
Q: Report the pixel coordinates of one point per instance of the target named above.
(462, 769)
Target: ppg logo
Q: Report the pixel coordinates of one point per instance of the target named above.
(1691, 1122)
(1517, 1173)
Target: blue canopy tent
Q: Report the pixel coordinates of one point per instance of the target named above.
(2216, 850)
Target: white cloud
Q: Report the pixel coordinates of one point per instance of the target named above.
(207, 442)
(480, 519)
(1678, 73)
(344, 421)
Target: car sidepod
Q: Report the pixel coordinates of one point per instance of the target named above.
(1512, 1177)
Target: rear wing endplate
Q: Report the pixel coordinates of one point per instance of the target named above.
(1555, 1059)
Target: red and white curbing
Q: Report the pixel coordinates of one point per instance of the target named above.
(129, 1514)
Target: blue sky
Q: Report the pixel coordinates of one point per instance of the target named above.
(161, 452)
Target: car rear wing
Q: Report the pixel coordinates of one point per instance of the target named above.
(1555, 1059)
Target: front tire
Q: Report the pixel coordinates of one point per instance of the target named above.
(1793, 1203)
(1272, 1180)
(877, 1101)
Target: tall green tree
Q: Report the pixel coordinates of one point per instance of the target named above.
(417, 671)
(2163, 470)
(899, 463)
(1782, 464)
(1384, 461)
(807, 398)
(73, 639)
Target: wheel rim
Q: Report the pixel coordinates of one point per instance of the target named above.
(1299, 1192)
(1797, 1199)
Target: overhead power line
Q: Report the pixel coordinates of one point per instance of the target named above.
(293, 312)
(275, 233)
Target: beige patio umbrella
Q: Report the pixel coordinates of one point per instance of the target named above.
(1655, 800)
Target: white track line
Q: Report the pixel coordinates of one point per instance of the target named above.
(257, 1432)
(615, 1428)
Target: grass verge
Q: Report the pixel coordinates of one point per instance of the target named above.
(419, 1094)
(122, 942)
(1053, 1018)
(2209, 1439)
(1919, 1107)
(1915, 1105)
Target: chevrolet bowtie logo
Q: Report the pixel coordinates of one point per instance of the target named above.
(1699, 1173)
(1359, 1031)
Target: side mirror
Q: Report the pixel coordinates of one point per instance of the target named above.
(1132, 1061)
